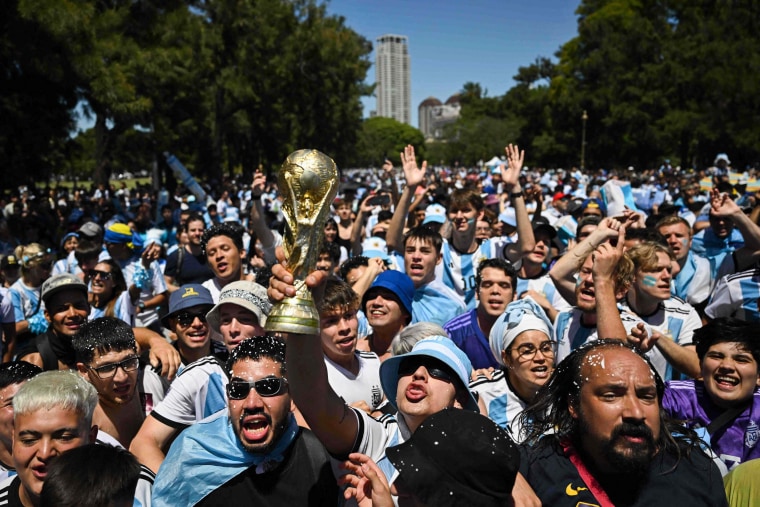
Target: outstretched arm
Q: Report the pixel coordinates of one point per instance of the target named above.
(414, 176)
(257, 221)
(721, 205)
(563, 271)
(388, 168)
(605, 258)
(334, 423)
(510, 174)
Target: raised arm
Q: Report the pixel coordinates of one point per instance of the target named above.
(563, 271)
(358, 226)
(388, 168)
(414, 177)
(605, 258)
(334, 423)
(510, 174)
(257, 222)
(721, 205)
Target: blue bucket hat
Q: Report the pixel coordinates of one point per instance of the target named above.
(187, 296)
(441, 348)
(397, 282)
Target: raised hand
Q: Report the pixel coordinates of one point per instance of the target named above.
(413, 174)
(606, 257)
(721, 204)
(511, 173)
(388, 167)
(258, 184)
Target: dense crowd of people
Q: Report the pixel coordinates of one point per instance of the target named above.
(489, 336)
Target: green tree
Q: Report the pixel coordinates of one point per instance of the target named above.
(37, 95)
(381, 138)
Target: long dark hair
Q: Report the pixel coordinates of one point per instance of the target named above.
(549, 414)
(119, 286)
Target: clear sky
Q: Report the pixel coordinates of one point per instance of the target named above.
(452, 42)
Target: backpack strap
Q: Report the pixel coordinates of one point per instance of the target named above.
(180, 259)
(725, 417)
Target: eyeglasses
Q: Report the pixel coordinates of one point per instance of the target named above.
(266, 387)
(528, 351)
(109, 370)
(104, 275)
(185, 319)
(434, 367)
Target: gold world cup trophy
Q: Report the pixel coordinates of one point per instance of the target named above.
(308, 182)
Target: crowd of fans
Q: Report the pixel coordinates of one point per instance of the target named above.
(489, 336)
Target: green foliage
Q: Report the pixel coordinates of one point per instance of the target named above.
(381, 138)
(222, 84)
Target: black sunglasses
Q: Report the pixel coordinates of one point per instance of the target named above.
(434, 367)
(185, 319)
(104, 275)
(266, 387)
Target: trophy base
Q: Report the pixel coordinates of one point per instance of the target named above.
(294, 315)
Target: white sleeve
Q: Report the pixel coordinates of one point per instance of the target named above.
(721, 302)
(691, 323)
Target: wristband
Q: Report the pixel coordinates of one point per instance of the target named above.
(515, 195)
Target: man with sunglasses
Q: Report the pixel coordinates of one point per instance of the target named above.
(106, 353)
(254, 453)
(188, 306)
(199, 391)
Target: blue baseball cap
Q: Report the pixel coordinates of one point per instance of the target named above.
(398, 283)
(441, 348)
(187, 296)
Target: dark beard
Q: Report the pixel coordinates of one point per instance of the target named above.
(635, 460)
(639, 458)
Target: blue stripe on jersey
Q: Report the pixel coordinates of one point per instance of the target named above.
(216, 397)
(459, 270)
(497, 411)
(674, 328)
(750, 294)
(581, 336)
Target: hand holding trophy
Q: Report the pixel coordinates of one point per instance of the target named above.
(308, 181)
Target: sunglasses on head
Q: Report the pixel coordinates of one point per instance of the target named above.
(434, 367)
(185, 319)
(104, 275)
(266, 387)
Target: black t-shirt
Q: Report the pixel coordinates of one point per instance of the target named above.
(9, 494)
(695, 481)
(305, 478)
(194, 268)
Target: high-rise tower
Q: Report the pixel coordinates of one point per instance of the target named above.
(392, 73)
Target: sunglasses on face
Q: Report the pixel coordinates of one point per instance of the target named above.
(266, 387)
(185, 319)
(109, 370)
(104, 275)
(434, 367)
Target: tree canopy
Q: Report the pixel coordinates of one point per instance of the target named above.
(658, 79)
(225, 85)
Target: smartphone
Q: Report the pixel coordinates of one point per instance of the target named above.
(379, 200)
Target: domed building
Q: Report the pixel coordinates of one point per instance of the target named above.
(434, 115)
(425, 114)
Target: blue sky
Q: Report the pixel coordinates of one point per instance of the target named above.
(453, 42)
